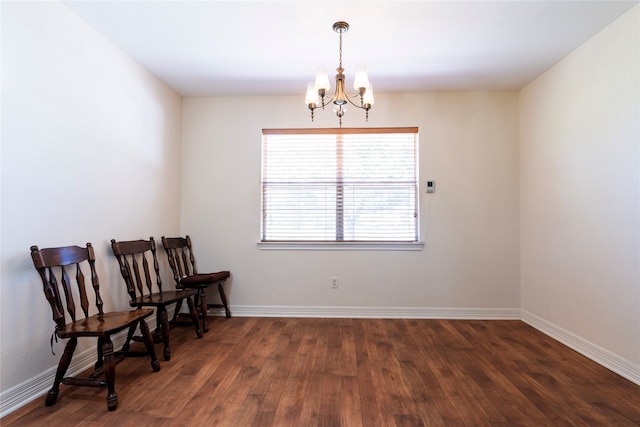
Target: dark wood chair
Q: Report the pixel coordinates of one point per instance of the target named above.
(185, 274)
(135, 253)
(55, 262)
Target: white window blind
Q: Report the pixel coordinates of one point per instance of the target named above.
(340, 185)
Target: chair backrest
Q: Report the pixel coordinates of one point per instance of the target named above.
(55, 261)
(181, 258)
(130, 255)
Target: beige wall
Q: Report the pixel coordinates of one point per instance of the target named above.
(90, 152)
(468, 145)
(580, 193)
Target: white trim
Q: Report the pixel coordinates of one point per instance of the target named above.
(339, 246)
(609, 360)
(376, 312)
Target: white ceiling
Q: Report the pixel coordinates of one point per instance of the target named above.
(208, 48)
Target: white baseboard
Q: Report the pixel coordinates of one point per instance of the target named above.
(374, 312)
(611, 361)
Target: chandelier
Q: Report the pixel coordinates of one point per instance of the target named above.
(317, 91)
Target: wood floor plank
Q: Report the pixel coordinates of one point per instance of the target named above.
(371, 411)
(354, 372)
(350, 407)
(311, 405)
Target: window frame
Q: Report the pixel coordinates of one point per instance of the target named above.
(341, 244)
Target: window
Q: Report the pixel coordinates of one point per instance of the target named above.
(340, 185)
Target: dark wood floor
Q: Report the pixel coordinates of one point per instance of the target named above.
(354, 372)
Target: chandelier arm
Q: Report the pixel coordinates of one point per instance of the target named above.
(330, 101)
(327, 103)
(353, 103)
(324, 104)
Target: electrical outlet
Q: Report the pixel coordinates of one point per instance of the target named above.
(334, 281)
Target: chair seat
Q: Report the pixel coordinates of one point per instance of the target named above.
(203, 279)
(162, 298)
(103, 324)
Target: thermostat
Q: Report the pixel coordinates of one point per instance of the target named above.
(431, 186)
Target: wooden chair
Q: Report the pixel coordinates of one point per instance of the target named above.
(56, 261)
(132, 254)
(185, 274)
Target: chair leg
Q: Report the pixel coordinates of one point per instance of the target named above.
(110, 373)
(63, 365)
(148, 343)
(127, 343)
(203, 310)
(177, 310)
(99, 360)
(156, 334)
(223, 298)
(194, 316)
(163, 320)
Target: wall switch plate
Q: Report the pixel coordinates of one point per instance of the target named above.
(431, 186)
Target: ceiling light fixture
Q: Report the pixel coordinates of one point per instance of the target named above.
(317, 91)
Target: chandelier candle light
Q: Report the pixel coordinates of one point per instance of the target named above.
(317, 91)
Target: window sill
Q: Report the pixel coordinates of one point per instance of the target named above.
(332, 246)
